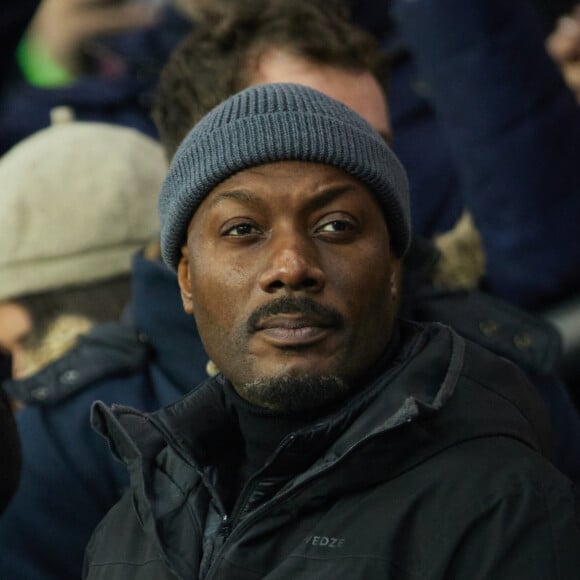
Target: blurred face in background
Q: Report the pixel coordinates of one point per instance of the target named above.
(15, 325)
(358, 90)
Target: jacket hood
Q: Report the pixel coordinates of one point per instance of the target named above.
(108, 348)
(157, 312)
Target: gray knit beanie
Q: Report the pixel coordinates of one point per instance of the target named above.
(279, 122)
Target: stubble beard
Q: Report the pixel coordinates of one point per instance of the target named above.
(294, 394)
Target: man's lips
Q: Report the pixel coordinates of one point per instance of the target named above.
(294, 322)
(296, 331)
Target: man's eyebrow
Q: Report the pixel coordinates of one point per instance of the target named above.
(328, 195)
(319, 200)
(241, 195)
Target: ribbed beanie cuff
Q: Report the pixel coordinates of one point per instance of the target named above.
(279, 122)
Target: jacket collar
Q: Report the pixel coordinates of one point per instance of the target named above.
(420, 385)
(425, 404)
(198, 425)
(157, 312)
(108, 348)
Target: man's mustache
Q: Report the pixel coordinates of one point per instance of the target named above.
(324, 315)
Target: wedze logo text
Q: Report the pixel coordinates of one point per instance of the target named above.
(324, 541)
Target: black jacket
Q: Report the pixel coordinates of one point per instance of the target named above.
(434, 471)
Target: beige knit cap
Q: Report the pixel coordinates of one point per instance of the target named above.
(76, 201)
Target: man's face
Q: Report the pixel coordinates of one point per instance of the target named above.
(289, 273)
(359, 90)
(15, 325)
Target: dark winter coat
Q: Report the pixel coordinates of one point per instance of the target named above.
(69, 480)
(435, 471)
(483, 120)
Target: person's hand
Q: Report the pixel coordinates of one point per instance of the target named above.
(62, 27)
(563, 45)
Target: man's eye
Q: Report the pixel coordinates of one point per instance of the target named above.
(336, 226)
(238, 230)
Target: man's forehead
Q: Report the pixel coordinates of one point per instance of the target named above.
(310, 182)
(320, 175)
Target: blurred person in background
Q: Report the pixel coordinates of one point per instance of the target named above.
(69, 37)
(78, 200)
(99, 57)
(475, 85)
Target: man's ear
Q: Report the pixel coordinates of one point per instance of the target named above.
(184, 280)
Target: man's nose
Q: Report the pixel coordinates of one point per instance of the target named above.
(292, 263)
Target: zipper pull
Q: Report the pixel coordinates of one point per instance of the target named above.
(225, 529)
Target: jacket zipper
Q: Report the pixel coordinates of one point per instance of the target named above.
(241, 507)
(236, 530)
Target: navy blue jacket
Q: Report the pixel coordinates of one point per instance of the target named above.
(510, 129)
(69, 481)
(483, 120)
